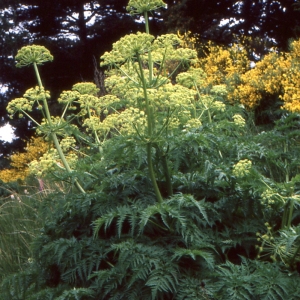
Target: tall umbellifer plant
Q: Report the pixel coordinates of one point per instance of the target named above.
(37, 55)
(157, 106)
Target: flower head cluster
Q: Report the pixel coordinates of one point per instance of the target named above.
(37, 94)
(166, 41)
(26, 103)
(68, 97)
(88, 102)
(124, 122)
(174, 96)
(194, 76)
(142, 6)
(219, 106)
(67, 143)
(84, 88)
(116, 84)
(209, 102)
(192, 123)
(57, 125)
(128, 47)
(164, 48)
(45, 164)
(109, 101)
(239, 120)
(19, 105)
(242, 168)
(33, 54)
(219, 90)
(50, 162)
(267, 197)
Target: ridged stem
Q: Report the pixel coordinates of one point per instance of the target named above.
(53, 134)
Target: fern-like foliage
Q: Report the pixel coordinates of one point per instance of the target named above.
(254, 280)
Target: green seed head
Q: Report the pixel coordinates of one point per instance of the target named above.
(32, 54)
(142, 6)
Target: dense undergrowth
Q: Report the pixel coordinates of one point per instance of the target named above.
(172, 192)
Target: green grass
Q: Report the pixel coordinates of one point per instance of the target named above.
(19, 224)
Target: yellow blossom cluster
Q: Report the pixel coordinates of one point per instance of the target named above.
(209, 102)
(264, 78)
(276, 74)
(34, 149)
(37, 94)
(68, 97)
(223, 65)
(188, 40)
(46, 163)
(87, 102)
(165, 48)
(291, 80)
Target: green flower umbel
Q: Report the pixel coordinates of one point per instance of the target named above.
(142, 6)
(32, 54)
(242, 168)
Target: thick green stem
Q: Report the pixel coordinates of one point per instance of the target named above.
(284, 216)
(148, 109)
(150, 117)
(152, 174)
(287, 214)
(290, 215)
(150, 62)
(163, 157)
(53, 134)
(38, 77)
(146, 22)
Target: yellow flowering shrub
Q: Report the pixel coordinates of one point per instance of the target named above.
(34, 149)
(291, 80)
(276, 74)
(264, 79)
(222, 65)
